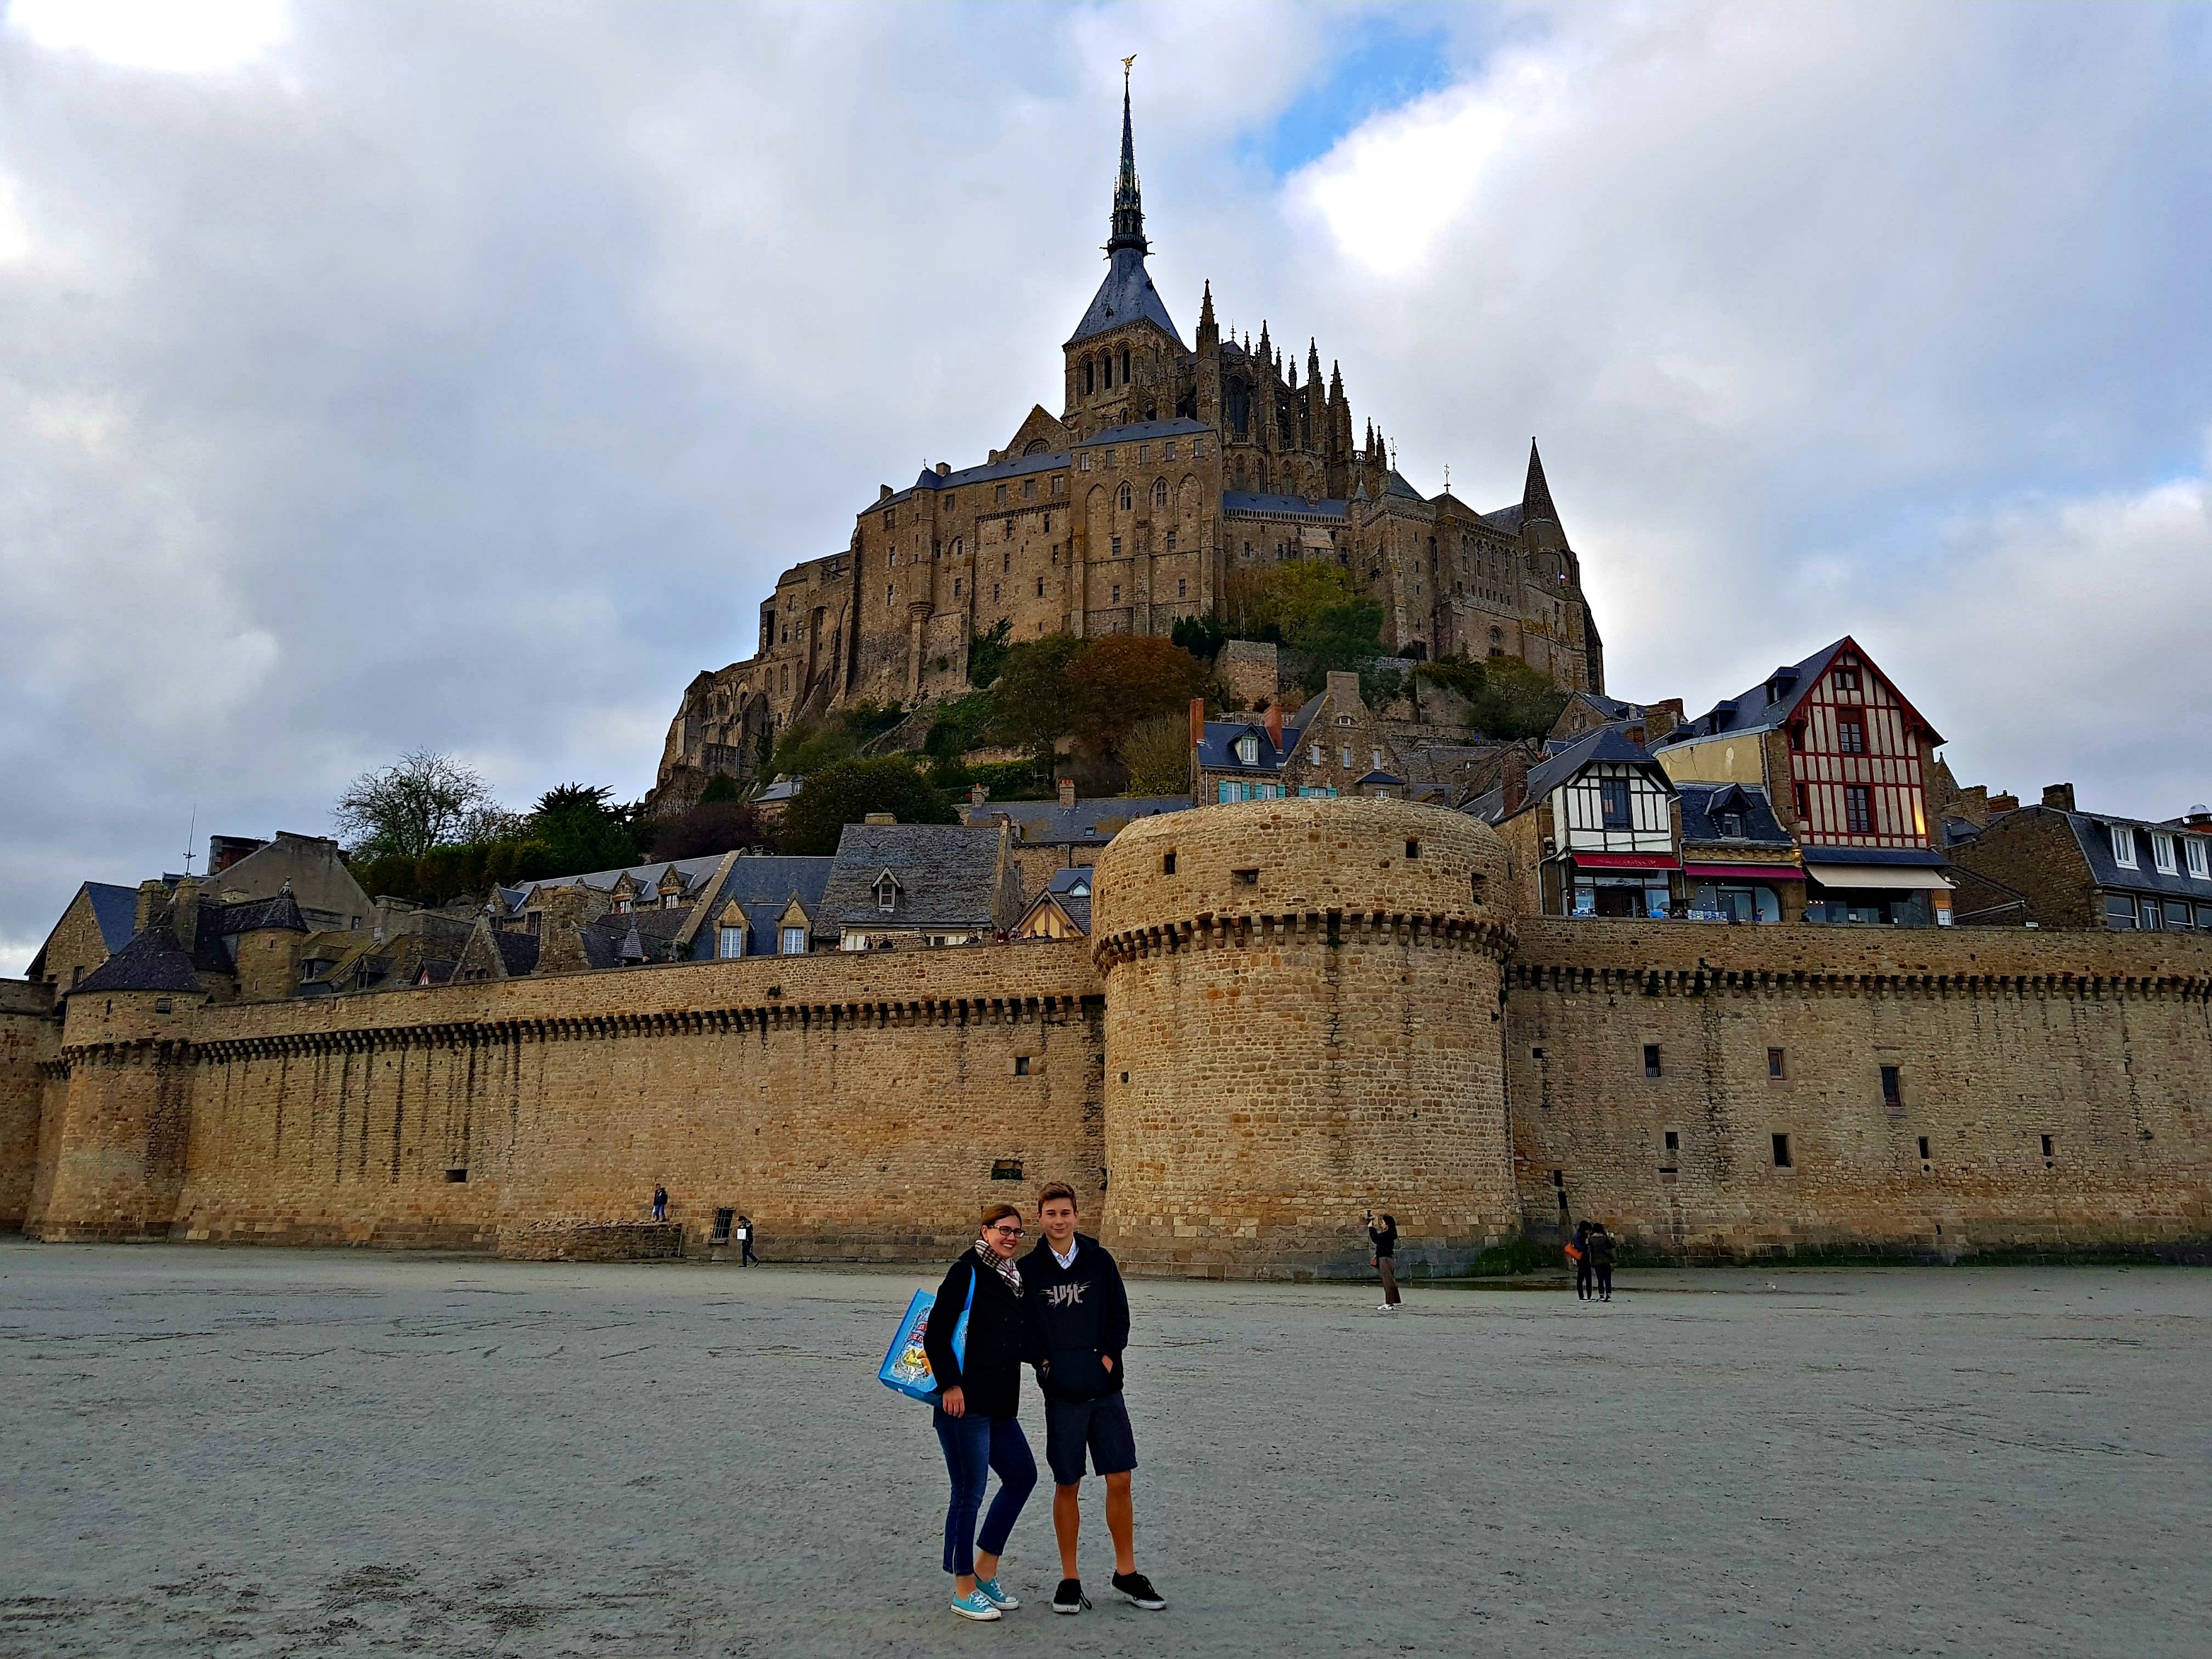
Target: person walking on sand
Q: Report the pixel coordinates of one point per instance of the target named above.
(745, 1256)
(1079, 1312)
(1579, 1253)
(659, 1202)
(1384, 1239)
(977, 1401)
(1600, 1246)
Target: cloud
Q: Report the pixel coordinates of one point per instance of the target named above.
(384, 376)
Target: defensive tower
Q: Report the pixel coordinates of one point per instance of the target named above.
(1303, 1021)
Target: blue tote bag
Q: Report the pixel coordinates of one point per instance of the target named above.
(906, 1366)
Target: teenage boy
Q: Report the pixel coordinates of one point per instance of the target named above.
(1075, 1297)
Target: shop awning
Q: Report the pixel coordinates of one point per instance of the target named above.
(1844, 876)
(1743, 872)
(1625, 861)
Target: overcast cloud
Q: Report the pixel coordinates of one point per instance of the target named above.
(461, 376)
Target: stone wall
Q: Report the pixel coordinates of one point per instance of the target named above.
(2102, 1042)
(28, 1038)
(851, 1105)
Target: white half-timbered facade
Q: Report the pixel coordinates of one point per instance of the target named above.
(1597, 825)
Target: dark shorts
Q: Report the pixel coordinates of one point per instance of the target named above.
(1100, 1426)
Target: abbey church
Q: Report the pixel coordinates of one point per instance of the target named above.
(1170, 468)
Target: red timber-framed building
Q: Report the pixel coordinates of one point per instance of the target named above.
(1843, 757)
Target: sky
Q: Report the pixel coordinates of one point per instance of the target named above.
(393, 376)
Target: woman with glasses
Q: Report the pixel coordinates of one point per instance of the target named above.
(975, 1415)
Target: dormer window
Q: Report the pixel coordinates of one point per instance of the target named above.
(886, 893)
(2124, 845)
(2162, 853)
(1081, 890)
(1248, 749)
(1731, 825)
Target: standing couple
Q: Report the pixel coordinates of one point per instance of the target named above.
(1061, 1309)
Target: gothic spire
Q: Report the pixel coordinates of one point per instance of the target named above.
(1313, 360)
(1128, 195)
(1536, 494)
(1206, 307)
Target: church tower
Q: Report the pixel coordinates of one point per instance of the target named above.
(1126, 361)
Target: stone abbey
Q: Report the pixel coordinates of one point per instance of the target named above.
(1168, 469)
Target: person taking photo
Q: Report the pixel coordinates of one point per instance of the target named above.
(1079, 1313)
(977, 1401)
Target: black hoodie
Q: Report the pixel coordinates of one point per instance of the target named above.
(999, 1339)
(1079, 1314)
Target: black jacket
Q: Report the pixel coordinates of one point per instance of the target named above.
(1384, 1239)
(1078, 1316)
(999, 1339)
(1600, 1246)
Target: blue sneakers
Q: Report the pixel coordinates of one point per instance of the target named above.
(1003, 1600)
(975, 1605)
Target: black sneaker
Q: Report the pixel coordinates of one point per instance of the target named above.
(1069, 1597)
(1135, 1587)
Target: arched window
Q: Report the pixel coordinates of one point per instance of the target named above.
(1125, 495)
(1238, 395)
(1089, 377)
(1125, 365)
(1159, 494)
(956, 547)
(1106, 373)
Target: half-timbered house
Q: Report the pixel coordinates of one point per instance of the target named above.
(1594, 830)
(1843, 756)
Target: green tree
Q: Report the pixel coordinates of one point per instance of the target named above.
(1338, 638)
(420, 801)
(1034, 703)
(1122, 680)
(581, 831)
(846, 792)
(1516, 701)
(987, 653)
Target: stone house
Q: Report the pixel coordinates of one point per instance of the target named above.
(1739, 864)
(1592, 831)
(1049, 836)
(2058, 866)
(1843, 758)
(905, 886)
(98, 921)
(1332, 745)
(1643, 723)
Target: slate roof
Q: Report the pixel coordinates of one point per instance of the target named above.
(1507, 519)
(1295, 506)
(947, 876)
(257, 915)
(1139, 431)
(1396, 485)
(647, 876)
(2091, 832)
(763, 888)
(115, 909)
(1091, 823)
(518, 951)
(1606, 742)
(1013, 466)
(1065, 882)
(1217, 750)
(1756, 711)
(1126, 296)
(151, 961)
(1702, 803)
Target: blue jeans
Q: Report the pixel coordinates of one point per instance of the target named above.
(975, 1445)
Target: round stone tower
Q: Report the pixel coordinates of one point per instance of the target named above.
(1303, 1023)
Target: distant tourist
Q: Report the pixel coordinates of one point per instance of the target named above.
(975, 1417)
(1578, 1252)
(1384, 1239)
(1601, 1259)
(745, 1256)
(1080, 1315)
(660, 1203)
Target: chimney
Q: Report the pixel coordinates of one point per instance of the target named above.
(883, 492)
(977, 794)
(2003, 804)
(1275, 716)
(2059, 797)
(943, 468)
(184, 912)
(1197, 721)
(880, 818)
(153, 900)
(2199, 816)
(1515, 780)
(1067, 794)
(223, 850)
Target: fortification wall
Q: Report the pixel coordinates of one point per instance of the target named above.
(2102, 1041)
(28, 1038)
(851, 1105)
(1303, 1021)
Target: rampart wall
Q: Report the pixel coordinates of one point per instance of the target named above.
(1997, 1038)
(1320, 1007)
(853, 1105)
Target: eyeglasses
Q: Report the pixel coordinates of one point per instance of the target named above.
(1011, 1229)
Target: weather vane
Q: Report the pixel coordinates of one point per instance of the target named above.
(1126, 63)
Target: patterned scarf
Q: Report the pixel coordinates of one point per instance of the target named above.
(1003, 1265)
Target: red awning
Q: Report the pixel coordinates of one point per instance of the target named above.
(1625, 861)
(1743, 871)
